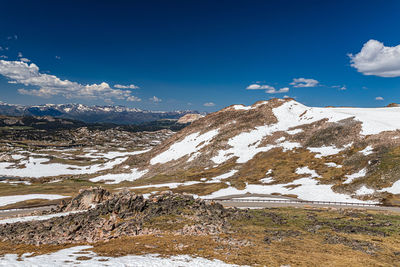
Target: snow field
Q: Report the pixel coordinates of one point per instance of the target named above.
(190, 144)
(69, 257)
(7, 200)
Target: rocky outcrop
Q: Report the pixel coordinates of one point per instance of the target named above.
(122, 214)
(393, 105)
(188, 118)
(86, 199)
(5, 158)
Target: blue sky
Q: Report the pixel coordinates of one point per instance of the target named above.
(199, 55)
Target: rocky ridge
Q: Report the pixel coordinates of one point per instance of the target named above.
(106, 216)
(188, 118)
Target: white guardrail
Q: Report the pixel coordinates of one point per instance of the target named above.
(296, 202)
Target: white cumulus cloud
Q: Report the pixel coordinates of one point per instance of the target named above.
(377, 59)
(303, 82)
(155, 99)
(209, 104)
(20, 72)
(268, 89)
(379, 98)
(256, 86)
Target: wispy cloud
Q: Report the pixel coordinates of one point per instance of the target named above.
(12, 37)
(377, 59)
(57, 57)
(50, 85)
(22, 58)
(279, 91)
(340, 87)
(379, 98)
(256, 86)
(303, 82)
(268, 88)
(209, 104)
(130, 86)
(155, 99)
(133, 99)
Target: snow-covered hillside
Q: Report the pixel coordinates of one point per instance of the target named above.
(351, 153)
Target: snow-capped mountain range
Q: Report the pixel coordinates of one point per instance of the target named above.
(108, 114)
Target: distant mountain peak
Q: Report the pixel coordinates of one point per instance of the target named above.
(96, 113)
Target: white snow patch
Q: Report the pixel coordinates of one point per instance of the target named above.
(244, 146)
(37, 167)
(307, 189)
(267, 180)
(333, 165)
(222, 176)
(289, 145)
(394, 189)
(306, 170)
(69, 257)
(324, 151)
(115, 178)
(116, 154)
(38, 218)
(190, 144)
(194, 156)
(17, 157)
(351, 177)
(241, 107)
(363, 190)
(374, 120)
(295, 131)
(367, 151)
(7, 200)
(15, 182)
(170, 185)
